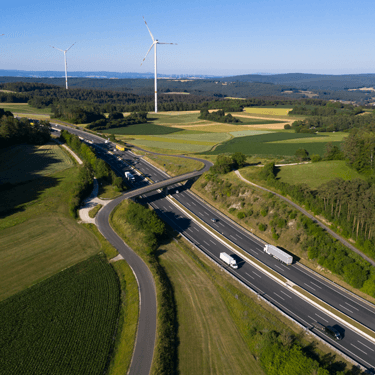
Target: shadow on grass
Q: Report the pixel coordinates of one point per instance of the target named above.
(15, 196)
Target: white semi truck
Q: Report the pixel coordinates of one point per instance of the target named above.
(228, 260)
(280, 255)
(129, 176)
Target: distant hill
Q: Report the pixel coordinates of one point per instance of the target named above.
(310, 81)
(99, 74)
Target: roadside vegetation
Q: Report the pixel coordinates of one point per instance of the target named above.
(95, 210)
(253, 336)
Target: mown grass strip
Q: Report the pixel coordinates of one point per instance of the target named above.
(231, 244)
(95, 210)
(127, 321)
(335, 312)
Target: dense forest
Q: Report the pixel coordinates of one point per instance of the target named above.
(218, 88)
(117, 120)
(15, 131)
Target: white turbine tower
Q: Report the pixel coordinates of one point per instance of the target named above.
(66, 66)
(154, 43)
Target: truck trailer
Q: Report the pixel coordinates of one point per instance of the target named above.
(129, 176)
(120, 148)
(280, 255)
(228, 260)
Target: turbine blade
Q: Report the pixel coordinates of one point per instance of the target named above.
(70, 46)
(57, 48)
(175, 44)
(153, 39)
(147, 53)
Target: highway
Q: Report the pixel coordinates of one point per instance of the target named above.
(353, 345)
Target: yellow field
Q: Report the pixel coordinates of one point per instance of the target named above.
(268, 111)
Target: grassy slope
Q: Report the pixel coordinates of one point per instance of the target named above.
(21, 108)
(316, 174)
(39, 238)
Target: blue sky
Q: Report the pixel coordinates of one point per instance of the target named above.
(214, 37)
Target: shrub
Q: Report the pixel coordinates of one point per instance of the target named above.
(262, 227)
(241, 215)
(315, 158)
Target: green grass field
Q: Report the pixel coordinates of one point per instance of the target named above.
(174, 166)
(24, 108)
(38, 236)
(142, 129)
(64, 325)
(245, 133)
(269, 144)
(182, 146)
(26, 162)
(316, 174)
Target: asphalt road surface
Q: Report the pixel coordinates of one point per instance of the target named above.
(353, 345)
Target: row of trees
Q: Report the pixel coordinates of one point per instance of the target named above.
(340, 122)
(117, 120)
(218, 116)
(15, 131)
(92, 166)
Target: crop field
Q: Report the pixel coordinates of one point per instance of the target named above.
(268, 111)
(322, 137)
(175, 118)
(264, 144)
(316, 174)
(24, 108)
(26, 162)
(176, 145)
(245, 133)
(199, 137)
(142, 129)
(63, 325)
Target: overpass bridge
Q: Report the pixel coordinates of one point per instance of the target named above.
(163, 185)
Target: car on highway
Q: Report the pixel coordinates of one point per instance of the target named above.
(214, 220)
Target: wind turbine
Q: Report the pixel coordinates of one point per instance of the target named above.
(66, 66)
(154, 43)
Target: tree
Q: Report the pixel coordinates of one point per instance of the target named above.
(333, 152)
(302, 154)
(239, 160)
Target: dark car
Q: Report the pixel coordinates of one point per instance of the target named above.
(333, 333)
(214, 220)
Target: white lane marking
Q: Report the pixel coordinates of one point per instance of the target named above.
(279, 296)
(205, 212)
(171, 207)
(253, 251)
(221, 224)
(232, 236)
(200, 213)
(366, 346)
(321, 317)
(336, 290)
(315, 285)
(213, 242)
(206, 243)
(188, 204)
(311, 318)
(278, 267)
(190, 229)
(238, 236)
(256, 274)
(351, 306)
(193, 203)
(196, 229)
(285, 294)
(358, 349)
(249, 275)
(309, 286)
(346, 308)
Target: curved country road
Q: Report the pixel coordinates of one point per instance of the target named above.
(146, 333)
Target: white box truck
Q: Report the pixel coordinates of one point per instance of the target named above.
(129, 176)
(280, 255)
(228, 260)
